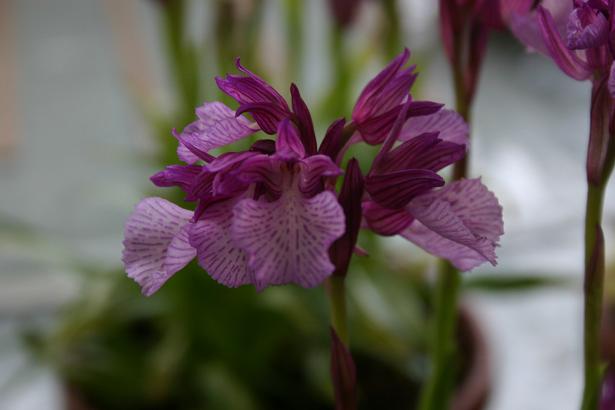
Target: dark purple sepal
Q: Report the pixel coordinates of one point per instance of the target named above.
(177, 175)
(250, 89)
(304, 121)
(343, 375)
(366, 105)
(202, 186)
(350, 198)
(288, 145)
(333, 142)
(267, 115)
(375, 130)
(385, 221)
(425, 151)
(396, 189)
(314, 171)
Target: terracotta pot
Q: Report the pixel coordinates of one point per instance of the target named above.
(473, 391)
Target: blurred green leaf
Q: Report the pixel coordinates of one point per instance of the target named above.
(513, 283)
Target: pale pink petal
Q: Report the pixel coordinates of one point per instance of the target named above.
(461, 222)
(156, 243)
(448, 123)
(288, 240)
(216, 251)
(215, 127)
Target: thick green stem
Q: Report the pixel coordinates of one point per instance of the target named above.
(594, 278)
(336, 288)
(436, 392)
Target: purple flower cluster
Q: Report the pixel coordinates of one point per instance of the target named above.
(579, 36)
(270, 215)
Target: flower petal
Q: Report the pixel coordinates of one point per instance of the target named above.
(396, 189)
(216, 126)
(288, 145)
(375, 130)
(426, 151)
(449, 125)
(304, 121)
(461, 222)
(288, 240)
(385, 221)
(177, 175)
(217, 253)
(156, 243)
(314, 168)
(333, 143)
(586, 28)
(566, 59)
(366, 103)
(349, 198)
(254, 95)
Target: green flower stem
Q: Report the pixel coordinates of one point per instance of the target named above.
(436, 393)
(336, 288)
(438, 387)
(594, 283)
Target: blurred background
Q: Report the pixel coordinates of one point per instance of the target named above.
(89, 91)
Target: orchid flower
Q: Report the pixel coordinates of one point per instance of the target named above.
(270, 215)
(460, 221)
(263, 216)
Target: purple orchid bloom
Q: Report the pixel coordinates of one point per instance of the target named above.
(579, 36)
(269, 215)
(461, 222)
(382, 98)
(266, 216)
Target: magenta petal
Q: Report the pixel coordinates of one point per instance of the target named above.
(217, 253)
(287, 241)
(349, 198)
(177, 175)
(426, 151)
(461, 222)
(367, 103)
(314, 168)
(215, 127)
(334, 141)
(288, 145)
(396, 189)
(385, 221)
(449, 125)
(586, 28)
(566, 59)
(304, 121)
(156, 243)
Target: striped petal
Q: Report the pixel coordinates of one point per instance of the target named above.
(287, 241)
(216, 126)
(156, 243)
(461, 222)
(449, 125)
(217, 253)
